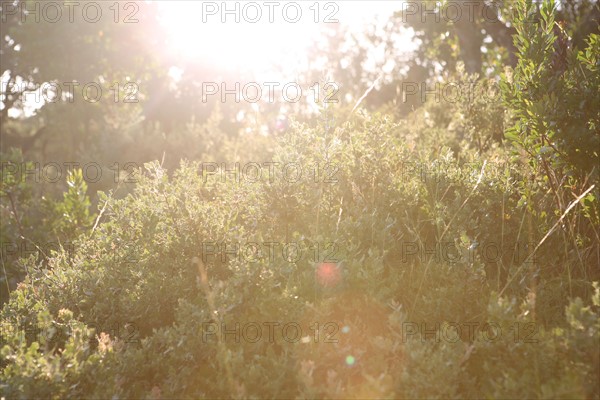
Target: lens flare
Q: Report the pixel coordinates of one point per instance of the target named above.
(328, 274)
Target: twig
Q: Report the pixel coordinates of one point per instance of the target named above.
(466, 200)
(547, 235)
(210, 299)
(444, 233)
(16, 214)
(365, 94)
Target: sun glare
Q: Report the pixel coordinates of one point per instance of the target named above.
(247, 45)
(196, 32)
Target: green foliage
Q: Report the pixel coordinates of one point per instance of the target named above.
(409, 209)
(136, 271)
(35, 225)
(553, 94)
(71, 217)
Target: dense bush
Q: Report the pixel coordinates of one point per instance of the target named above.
(134, 276)
(437, 260)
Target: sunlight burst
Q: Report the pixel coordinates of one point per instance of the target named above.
(196, 33)
(253, 46)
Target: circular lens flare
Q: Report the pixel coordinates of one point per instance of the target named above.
(328, 274)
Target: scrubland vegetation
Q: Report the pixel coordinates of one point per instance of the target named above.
(367, 250)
